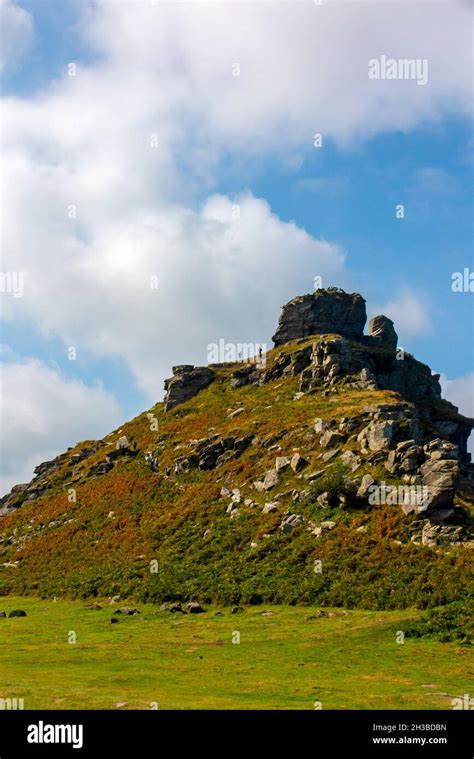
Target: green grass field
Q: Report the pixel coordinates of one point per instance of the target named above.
(288, 659)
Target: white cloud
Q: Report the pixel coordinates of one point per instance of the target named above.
(410, 311)
(43, 413)
(218, 276)
(16, 33)
(303, 67)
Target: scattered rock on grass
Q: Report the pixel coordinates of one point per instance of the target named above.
(194, 608)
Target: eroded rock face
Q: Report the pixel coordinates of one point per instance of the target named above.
(382, 332)
(440, 473)
(337, 360)
(187, 381)
(322, 312)
(388, 424)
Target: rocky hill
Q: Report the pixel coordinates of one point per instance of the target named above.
(329, 471)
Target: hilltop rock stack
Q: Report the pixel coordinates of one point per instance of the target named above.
(382, 332)
(333, 311)
(323, 312)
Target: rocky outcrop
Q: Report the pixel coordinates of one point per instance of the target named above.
(382, 332)
(210, 453)
(439, 475)
(332, 360)
(434, 535)
(186, 382)
(322, 312)
(244, 376)
(337, 360)
(14, 499)
(388, 424)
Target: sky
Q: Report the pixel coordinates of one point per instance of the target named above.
(173, 173)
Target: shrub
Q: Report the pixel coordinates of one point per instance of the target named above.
(453, 622)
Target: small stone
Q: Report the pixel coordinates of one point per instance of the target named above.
(365, 484)
(298, 462)
(270, 480)
(282, 462)
(175, 607)
(311, 476)
(328, 455)
(194, 608)
(270, 508)
(331, 438)
(320, 425)
(235, 413)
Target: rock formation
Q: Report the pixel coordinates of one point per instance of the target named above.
(416, 437)
(322, 312)
(186, 382)
(382, 332)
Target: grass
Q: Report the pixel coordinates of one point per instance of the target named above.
(285, 660)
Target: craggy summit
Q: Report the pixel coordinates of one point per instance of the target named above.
(336, 448)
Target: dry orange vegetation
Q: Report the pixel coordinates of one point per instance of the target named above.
(104, 541)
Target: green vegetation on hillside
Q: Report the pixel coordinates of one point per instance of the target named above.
(154, 537)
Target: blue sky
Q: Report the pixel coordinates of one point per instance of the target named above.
(223, 141)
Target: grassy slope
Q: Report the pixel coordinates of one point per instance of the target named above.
(87, 552)
(284, 661)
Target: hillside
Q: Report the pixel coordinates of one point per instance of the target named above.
(329, 472)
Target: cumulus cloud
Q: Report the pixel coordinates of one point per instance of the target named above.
(16, 33)
(410, 310)
(43, 413)
(221, 271)
(302, 67)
